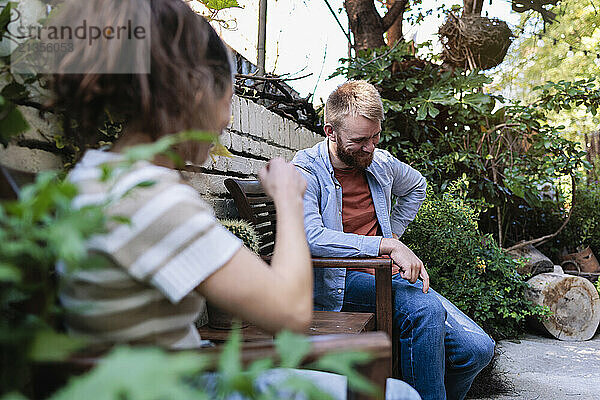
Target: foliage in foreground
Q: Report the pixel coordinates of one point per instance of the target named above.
(153, 373)
(42, 227)
(467, 267)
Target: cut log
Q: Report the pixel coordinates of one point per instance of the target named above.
(573, 301)
(537, 262)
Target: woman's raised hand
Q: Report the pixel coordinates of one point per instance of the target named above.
(282, 181)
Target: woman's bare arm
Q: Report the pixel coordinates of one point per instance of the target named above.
(279, 296)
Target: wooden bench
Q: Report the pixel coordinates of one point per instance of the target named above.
(258, 209)
(323, 323)
(49, 376)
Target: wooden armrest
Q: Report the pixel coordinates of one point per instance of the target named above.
(383, 262)
(352, 262)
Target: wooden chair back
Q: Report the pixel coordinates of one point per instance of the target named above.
(257, 208)
(11, 181)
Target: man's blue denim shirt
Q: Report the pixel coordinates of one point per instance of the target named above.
(386, 176)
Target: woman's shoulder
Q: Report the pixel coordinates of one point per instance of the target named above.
(106, 177)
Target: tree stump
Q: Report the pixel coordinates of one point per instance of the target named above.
(538, 263)
(574, 303)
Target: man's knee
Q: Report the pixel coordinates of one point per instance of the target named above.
(423, 309)
(481, 352)
(486, 351)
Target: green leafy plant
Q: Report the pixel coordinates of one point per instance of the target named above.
(583, 229)
(445, 125)
(468, 267)
(153, 373)
(36, 231)
(243, 230)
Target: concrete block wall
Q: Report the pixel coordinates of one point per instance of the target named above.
(254, 136)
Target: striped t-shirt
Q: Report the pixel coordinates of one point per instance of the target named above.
(143, 290)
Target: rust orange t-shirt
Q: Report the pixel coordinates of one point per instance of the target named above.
(358, 210)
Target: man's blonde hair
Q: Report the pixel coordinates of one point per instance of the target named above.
(353, 98)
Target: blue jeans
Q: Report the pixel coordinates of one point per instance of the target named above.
(441, 349)
(333, 384)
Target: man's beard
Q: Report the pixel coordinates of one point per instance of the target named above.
(358, 159)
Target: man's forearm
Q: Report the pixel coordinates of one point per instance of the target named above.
(387, 245)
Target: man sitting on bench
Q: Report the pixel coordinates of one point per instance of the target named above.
(348, 212)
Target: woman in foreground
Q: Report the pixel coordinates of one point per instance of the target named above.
(158, 267)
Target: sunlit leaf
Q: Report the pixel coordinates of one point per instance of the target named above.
(220, 4)
(343, 364)
(292, 348)
(219, 150)
(9, 273)
(52, 346)
(138, 374)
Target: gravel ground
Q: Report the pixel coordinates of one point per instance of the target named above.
(543, 368)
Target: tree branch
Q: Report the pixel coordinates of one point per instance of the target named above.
(395, 10)
(270, 78)
(543, 239)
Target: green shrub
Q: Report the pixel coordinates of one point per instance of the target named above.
(469, 268)
(243, 230)
(584, 226)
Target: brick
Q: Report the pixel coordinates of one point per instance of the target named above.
(225, 139)
(30, 160)
(205, 183)
(284, 133)
(276, 133)
(305, 138)
(261, 126)
(235, 110)
(244, 123)
(266, 150)
(294, 137)
(236, 142)
(290, 154)
(252, 116)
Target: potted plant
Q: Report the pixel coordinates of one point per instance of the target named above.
(581, 258)
(218, 318)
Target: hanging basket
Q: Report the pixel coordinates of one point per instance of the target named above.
(474, 42)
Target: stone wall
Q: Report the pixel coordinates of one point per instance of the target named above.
(254, 136)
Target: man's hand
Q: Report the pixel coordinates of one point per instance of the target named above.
(411, 266)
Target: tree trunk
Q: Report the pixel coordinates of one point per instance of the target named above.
(574, 303)
(367, 25)
(472, 7)
(394, 33)
(537, 262)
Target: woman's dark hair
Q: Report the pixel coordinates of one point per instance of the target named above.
(190, 71)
